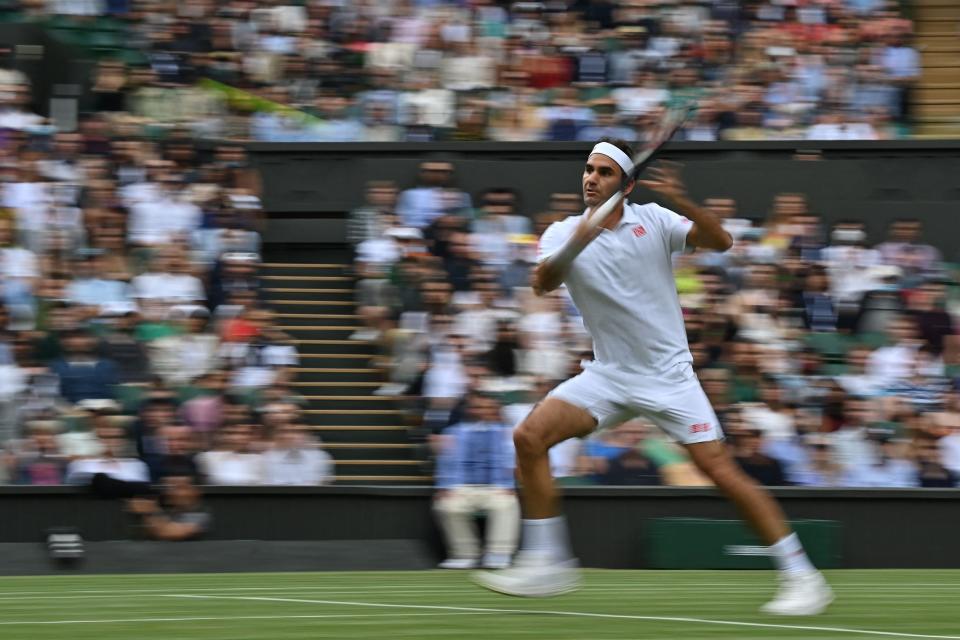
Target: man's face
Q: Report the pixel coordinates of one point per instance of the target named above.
(601, 179)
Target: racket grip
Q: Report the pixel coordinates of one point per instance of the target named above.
(600, 215)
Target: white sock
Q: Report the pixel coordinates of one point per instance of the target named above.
(547, 537)
(789, 556)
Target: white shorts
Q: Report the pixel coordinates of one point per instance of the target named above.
(674, 401)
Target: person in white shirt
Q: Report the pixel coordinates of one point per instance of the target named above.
(294, 459)
(895, 362)
(620, 276)
(169, 280)
(233, 463)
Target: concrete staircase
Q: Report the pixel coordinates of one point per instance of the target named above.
(937, 95)
(368, 435)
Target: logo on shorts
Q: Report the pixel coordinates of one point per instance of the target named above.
(701, 427)
(639, 231)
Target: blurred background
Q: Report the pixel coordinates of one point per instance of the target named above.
(182, 308)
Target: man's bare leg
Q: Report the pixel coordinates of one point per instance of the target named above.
(545, 566)
(803, 591)
(754, 503)
(550, 423)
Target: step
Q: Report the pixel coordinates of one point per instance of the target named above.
(297, 265)
(937, 131)
(359, 417)
(371, 436)
(284, 322)
(307, 376)
(927, 93)
(940, 45)
(938, 59)
(334, 361)
(305, 345)
(308, 270)
(948, 10)
(316, 316)
(370, 402)
(306, 293)
(339, 387)
(379, 467)
(304, 282)
(945, 111)
(382, 451)
(306, 308)
(940, 74)
(392, 480)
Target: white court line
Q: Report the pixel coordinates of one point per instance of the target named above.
(202, 618)
(468, 588)
(577, 614)
(405, 587)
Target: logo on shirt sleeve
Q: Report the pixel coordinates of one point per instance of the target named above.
(639, 231)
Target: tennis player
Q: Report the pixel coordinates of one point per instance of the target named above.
(620, 276)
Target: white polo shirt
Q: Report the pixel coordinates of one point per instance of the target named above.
(624, 287)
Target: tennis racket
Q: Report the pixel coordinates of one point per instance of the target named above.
(672, 120)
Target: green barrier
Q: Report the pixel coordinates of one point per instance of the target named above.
(700, 543)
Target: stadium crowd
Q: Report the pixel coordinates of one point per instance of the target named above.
(134, 348)
(422, 70)
(830, 362)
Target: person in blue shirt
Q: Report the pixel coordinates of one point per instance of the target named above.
(475, 476)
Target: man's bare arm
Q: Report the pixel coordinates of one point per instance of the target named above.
(706, 231)
(549, 274)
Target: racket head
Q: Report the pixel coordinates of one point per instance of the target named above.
(671, 122)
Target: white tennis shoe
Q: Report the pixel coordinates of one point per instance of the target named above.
(531, 577)
(807, 594)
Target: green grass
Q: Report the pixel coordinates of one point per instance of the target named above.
(621, 605)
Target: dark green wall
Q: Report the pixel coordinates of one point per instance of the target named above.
(876, 182)
(880, 528)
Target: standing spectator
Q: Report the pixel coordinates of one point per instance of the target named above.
(233, 462)
(419, 206)
(475, 473)
(901, 64)
(904, 249)
(373, 218)
(295, 459)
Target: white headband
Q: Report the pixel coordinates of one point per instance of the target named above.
(615, 154)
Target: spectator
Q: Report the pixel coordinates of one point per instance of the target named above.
(418, 207)
(747, 449)
(178, 515)
(83, 374)
(475, 473)
(903, 248)
(233, 462)
(37, 460)
(112, 473)
(182, 358)
(294, 459)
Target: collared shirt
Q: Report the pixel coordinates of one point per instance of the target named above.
(481, 453)
(623, 286)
